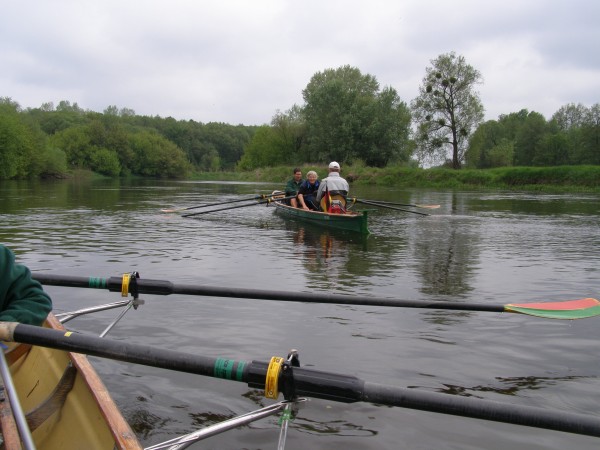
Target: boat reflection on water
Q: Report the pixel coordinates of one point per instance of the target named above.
(326, 254)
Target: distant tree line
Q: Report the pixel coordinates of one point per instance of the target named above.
(346, 116)
(570, 137)
(51, 141)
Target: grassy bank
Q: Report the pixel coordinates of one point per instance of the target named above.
(561, 178)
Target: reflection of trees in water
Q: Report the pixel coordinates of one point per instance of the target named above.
(303, 424)
(445, 317)
(145, 423)
(444, 251)
(337, 427)
(509, 385)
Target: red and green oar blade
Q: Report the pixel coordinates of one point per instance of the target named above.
(571, 309)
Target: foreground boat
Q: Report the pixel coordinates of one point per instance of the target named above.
(65, 403)
(349, 221)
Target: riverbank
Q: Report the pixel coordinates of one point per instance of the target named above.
(541, 179)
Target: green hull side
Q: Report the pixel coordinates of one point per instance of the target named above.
(349, 222)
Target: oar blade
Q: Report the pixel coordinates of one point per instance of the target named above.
(428, 206)
(569, 310)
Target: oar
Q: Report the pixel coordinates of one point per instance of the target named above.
(258, 197)
(367, 202)
(302, 382)
(404, 204)
(571, 309)
(266, 202)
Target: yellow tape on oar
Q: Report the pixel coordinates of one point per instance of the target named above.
(272, 381)
(125, 284)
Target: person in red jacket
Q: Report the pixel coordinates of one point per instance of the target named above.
(22, 298)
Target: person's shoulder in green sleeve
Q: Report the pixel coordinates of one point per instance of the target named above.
(22, 298)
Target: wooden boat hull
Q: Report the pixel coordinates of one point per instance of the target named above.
(66, 404)
(351, 221)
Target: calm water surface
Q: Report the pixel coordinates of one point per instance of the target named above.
(493, 247)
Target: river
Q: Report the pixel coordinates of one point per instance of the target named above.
(479, 246)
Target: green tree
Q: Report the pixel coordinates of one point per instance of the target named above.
(345, 113)
(447, 109)
(290, 136)
(75, 142)
(54, 163)
(105, 161)
(528, 141)
(156, 156)
(570, 116)
(490, 145)
(263, 150)
(16, 144)
(591, 136)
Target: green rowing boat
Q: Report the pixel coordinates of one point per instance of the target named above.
(349, 221)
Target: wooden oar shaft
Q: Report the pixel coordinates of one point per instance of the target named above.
(161, 287)
(380, 205)
(381, 202)
(305, 382)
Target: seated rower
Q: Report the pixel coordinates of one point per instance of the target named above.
(292, 186)
(308, 191)
(333, 190)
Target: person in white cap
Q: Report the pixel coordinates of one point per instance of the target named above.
(334, 186)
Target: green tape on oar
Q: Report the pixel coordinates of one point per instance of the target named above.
(573, 309)
(97, 283)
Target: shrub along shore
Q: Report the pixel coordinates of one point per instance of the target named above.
(544, 179)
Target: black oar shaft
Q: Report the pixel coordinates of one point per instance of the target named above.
(306, 382)
(258, 197)
(160, 287)
(266, 202)
(482, 409)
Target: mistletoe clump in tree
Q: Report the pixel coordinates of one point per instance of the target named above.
(447, 109)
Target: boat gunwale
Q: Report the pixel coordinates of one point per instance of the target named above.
(346, 215)
(351, 221)
(122, 434)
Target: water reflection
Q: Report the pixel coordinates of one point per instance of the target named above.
(511, 385)
(144, 423)
(445, 250)
(478, 247)
(326, 255)
(337, 427)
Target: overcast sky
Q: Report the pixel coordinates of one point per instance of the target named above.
(239, 61)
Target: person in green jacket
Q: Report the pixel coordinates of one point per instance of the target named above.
(22, 298)
(292, 186)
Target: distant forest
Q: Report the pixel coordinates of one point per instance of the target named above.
(52, 141)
